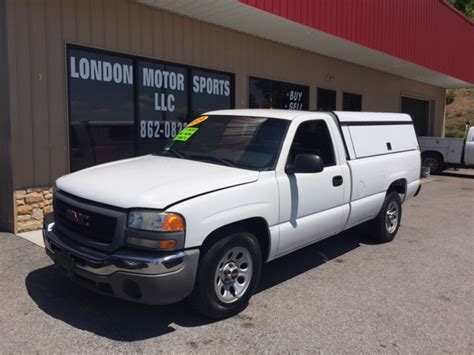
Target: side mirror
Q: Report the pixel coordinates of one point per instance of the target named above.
(306, 163)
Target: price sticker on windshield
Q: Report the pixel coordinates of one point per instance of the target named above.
(197, 121)
(186, 133)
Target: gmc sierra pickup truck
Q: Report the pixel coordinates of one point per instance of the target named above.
(234, 189)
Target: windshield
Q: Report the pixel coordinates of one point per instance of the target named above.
(239, 141)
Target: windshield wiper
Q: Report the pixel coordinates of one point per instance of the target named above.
(172, 151)
(213, 158)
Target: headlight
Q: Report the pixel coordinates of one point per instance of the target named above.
(156, 221)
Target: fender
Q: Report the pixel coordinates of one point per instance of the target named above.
(209, 212)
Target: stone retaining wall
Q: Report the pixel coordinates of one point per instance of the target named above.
(31, 206)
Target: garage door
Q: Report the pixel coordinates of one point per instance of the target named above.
(419, 110)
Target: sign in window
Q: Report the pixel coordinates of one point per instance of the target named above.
(122, 106)
(264, 93)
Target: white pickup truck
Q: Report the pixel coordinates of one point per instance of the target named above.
(234, 189)
(441, 153)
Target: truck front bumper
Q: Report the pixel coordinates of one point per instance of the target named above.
(152, 280)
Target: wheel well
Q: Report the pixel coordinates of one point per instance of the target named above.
(258, 226)
(432, 152)
(399, 186)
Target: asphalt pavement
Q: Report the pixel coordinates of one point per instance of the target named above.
(341, 295)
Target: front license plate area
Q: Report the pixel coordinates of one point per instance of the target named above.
(64, 263)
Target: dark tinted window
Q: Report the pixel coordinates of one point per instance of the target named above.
(351, 102)
(246, 142)
(260, 93)
(326, 100)
(101, 108)
(122, 106)
(264, 93)
(312, 137)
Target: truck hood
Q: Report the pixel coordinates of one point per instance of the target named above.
(151, 181)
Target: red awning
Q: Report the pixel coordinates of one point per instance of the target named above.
(425, 40)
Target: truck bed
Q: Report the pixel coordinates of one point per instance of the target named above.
(380, 149)
(450, 148)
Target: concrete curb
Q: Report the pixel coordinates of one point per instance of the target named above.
(35, 237)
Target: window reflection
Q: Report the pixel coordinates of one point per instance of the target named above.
(101, 108)
(115, 115)
(246, 142)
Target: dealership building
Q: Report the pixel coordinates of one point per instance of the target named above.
(84, 82)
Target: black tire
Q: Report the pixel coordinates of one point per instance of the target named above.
(434, 161)
(204, 297)
(380, 228)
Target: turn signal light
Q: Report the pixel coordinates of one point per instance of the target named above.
(167, 244)
(173, 223)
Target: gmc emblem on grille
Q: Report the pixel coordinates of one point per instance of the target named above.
(77, 218)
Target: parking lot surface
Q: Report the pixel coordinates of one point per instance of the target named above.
(343, 294)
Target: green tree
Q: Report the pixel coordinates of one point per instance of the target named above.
(465, 6)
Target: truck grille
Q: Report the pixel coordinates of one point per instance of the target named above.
(88, 224)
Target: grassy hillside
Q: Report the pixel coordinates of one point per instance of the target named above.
(460, 110)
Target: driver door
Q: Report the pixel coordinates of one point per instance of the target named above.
(311, 204)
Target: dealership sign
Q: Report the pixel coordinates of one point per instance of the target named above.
(164, 96)
(122, 105)
(100, 70)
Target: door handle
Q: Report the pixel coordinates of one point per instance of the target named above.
(337, 180)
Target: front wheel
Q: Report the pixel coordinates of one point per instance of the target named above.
(385, 226)
(227, 276)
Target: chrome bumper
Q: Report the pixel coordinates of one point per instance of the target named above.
(108, 264)
(152, 280)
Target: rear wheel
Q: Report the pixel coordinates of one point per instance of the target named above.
(227, 276)
(385, 226)
(434, 162)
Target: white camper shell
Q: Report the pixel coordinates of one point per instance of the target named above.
(374, 134)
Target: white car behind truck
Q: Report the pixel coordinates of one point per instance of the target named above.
(441, 153)
(234, 189)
